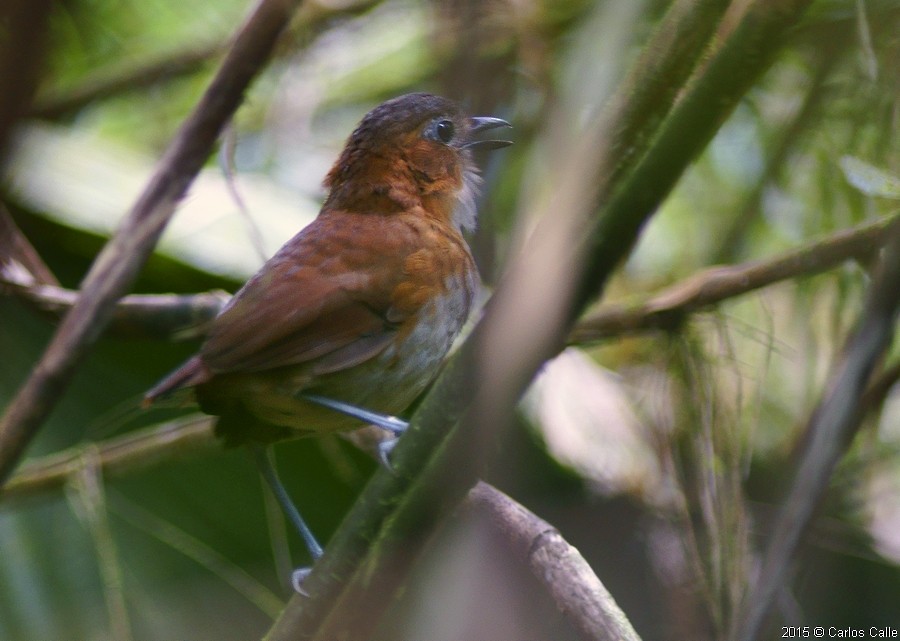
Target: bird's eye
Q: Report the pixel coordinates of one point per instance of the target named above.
(444, 130)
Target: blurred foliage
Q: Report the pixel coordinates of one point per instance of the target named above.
(659, 456)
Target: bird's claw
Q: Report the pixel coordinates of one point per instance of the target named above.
(385, 448)
(396, 426)
(298, 576)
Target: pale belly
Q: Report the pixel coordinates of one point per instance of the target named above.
(386, 383)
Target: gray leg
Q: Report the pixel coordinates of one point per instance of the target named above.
(264, 463)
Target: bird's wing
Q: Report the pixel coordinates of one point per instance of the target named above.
(309, 304)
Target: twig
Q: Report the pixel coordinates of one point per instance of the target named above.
(112, 82)
(828, 434)
(139, 450)
(118, 264)
(107, 83)
(229, 173)
(18, 258)
(716, 284)
(88, 501)
(170, 317)
(558, 566)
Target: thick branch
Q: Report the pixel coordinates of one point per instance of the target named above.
(558, 566)
(714, 93)
(118, 264)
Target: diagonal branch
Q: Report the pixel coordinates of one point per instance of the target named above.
(558, 566)
(714, 285)
(20, 261)
(188, 60)
(188, 437)
(105, 84)
(116, 267)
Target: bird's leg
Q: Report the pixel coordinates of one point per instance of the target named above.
(390, 423)
(267, 469)
(393, 424)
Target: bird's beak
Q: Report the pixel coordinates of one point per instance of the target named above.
(477, 124)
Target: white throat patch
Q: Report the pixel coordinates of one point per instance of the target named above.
(465, 215)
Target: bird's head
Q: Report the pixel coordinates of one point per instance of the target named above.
(413, 150)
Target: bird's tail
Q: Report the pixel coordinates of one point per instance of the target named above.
(193, 372)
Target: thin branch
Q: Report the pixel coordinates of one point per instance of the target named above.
(559, 567)
(171, 317)
(669, 308)
(189, 437)
(164, 316)
(17, 256)
(880, 386)
(117, 266)
(107, 83)
(828, 434)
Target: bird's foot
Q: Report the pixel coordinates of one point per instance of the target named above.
(395, 425)
(385, 448)
(298, 577)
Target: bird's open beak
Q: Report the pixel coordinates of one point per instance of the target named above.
(477, 124)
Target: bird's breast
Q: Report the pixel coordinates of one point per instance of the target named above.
(425, 338)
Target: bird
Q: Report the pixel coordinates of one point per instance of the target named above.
(353, 317)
